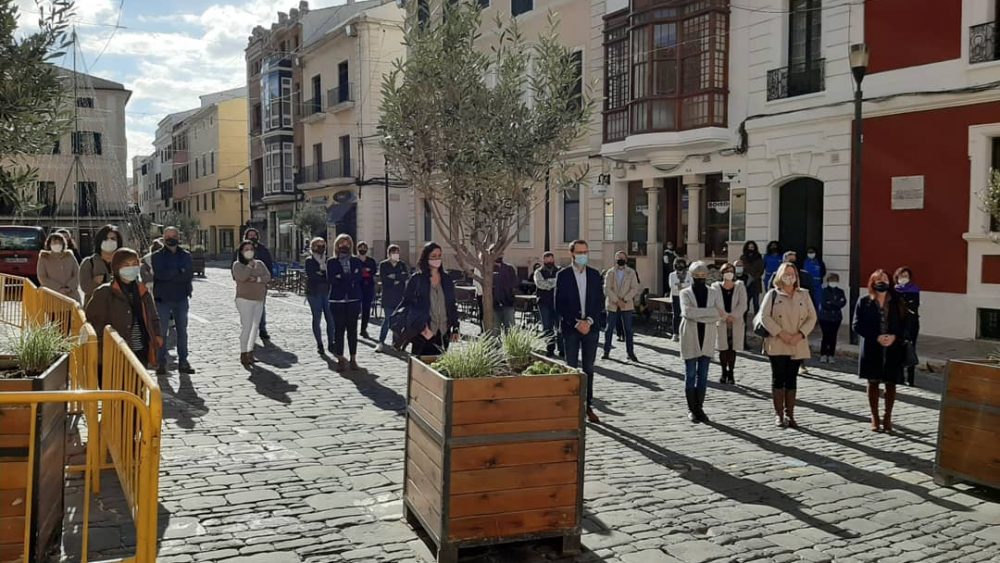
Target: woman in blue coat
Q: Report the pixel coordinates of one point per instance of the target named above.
(344, 273)
(880, 321)
(816, 269)
(429, 305)
(772, 260)
(318, 294)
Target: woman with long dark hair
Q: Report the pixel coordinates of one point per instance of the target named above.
(753, 264)
(909, 292)
(732, 323)
(880, 321)
(429, 302)
(96, 268)
(343, 270)
(251, 276)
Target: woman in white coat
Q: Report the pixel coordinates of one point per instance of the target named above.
(700, 306)
(732, 326)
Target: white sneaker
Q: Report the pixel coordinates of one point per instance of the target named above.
(675, 338)
(379, 348)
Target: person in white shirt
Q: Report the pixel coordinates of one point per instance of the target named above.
(679, 280)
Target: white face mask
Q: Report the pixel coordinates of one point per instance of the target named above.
(434, 263)
(811, 255)
(788, 280)
(902, 281)
(667, 260)
(394, 257)
(739, 270)
(109, 246)
(129, 273)
(248, 254)
(728, 276)
(59, 248)
(834, 285)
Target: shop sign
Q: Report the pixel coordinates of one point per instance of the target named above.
(720, 207)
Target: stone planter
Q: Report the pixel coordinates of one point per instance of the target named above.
(47, 468)
(968, 447)
(494, 460)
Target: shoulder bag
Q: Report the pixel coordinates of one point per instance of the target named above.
(758, 324)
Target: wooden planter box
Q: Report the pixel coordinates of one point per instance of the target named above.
(968, 446)
(494, 460)
(49, 462)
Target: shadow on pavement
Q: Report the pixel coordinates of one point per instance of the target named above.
(899, 459)
(848, 472)
(741, 490)
(368, 385)
(626, 378)
(182, 405)
(271, 385)
(274, 356)
(603, 406)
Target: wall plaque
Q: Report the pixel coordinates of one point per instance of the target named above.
(907, 192)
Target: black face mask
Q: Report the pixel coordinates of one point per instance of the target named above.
(620, 262)
(253, 241)
(550, 264)
(320, 249)
(362, 251)
(699, 282)
(881, 287)
(344, 251)
(680, 268)
(171, 242)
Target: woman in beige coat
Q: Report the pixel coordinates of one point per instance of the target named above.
(58, 269)
(732, 326)
(700, 306)
(621, 286)
(788, 314)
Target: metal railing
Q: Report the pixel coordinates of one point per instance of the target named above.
(796, 79)
(983, 46)
(311, 107)
(327, 170)
(340, 94)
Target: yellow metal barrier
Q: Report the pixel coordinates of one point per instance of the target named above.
(15, 299)
(145, 451)
(121, 435)
(49, 307)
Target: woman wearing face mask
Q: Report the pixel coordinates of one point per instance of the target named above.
(369, 269)
(700, 305)
(346, 294)
(621, 287)
(772, 260)
(57, 268)
(788, 314)
(251, 276)
(431, 310)
(393, 273)
(831, 315)
(127, 306)
(70, 243)
(753, 269)
(669, 255)
(816, 268)
(679, 280)
(318, 294)
(96, 269)
(732, 327)
(910, 294)
(880, 321)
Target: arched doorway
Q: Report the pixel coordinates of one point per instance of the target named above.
(800, 216)
(343, 214)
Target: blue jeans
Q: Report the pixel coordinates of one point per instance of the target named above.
(263, 320)
(550, 322)
(320, 307)
(574, 343)
(696, 373)
(384, 332)
(179, 311)
(613, 319)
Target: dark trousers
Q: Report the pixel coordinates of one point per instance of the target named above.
(828, 346)
(575, 344)
(366, 310)
(433, 347)
(550, 324)
(676, 304)
(621, 319)
(345, 321)
(784, 372)
(262, 327)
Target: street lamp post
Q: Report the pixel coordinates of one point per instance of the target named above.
(241, 187)
(387, 239)
(858, 56)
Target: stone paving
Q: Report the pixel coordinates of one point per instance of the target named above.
(295, 462)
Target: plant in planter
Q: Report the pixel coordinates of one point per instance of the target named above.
(36, 360)
(493, 456)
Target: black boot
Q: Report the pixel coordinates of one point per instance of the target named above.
(692, 401)
(700, 403)
(910, 375)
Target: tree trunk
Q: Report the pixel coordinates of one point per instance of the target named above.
(489, 313)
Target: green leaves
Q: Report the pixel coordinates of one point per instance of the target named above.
(311, 220)
(37, 346)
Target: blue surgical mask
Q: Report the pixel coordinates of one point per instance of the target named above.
(581, 259)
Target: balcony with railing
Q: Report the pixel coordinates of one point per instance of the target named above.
(983, 46)
(311, 111)
(315, 175)
(796, 79)
(340, 98)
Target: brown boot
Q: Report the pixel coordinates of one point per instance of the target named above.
(790, 408)
(243, 359)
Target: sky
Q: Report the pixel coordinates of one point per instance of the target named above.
(167, 52)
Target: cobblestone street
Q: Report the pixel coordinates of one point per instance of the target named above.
(296, 462)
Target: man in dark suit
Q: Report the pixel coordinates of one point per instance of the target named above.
(579, 298)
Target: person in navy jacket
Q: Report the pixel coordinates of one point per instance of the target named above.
(318, 294)
(429, 306)
(369, 269)
(393, 273)
(579, 302)
(173, 271)
(344, 273)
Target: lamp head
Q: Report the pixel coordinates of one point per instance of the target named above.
(858, 57)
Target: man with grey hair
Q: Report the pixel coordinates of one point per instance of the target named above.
(173, 271)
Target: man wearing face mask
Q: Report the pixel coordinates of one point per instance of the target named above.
(679, 280)
(621, 286)
(369, 268)
(545, 285)
(830, 316)
(505, 283)
(579, 299)
(669, 255)
(393, 273)
(264, 255)
(173, 271)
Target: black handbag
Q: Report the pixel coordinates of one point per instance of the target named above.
(758, 325)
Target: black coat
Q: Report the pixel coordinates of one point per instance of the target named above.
(877, 362)
(416, 306)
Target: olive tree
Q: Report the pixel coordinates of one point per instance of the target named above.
(32, 95)
(475, 131)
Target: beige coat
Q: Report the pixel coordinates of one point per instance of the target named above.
(790, 313)
(691, 316)
(627, 292)
(739, 311)
(251, 280)
(60, 273)
(94, 271)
